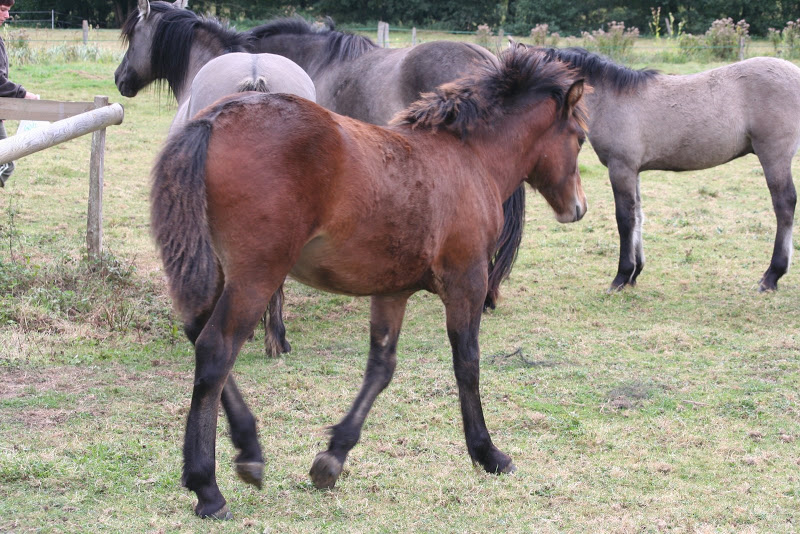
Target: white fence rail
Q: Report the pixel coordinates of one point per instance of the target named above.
(73, 119)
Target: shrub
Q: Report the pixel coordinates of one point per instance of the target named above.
(692, 46)
(484, 35)
(791, 39)
(723, 38)
(616, 43)
(540, 36)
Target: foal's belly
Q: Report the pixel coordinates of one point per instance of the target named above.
(357, 270)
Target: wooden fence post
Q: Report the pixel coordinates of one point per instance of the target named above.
(85, 26)
(741, 47)
(94, 223)
(380, 33)
(414, 36)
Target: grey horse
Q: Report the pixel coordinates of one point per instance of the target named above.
(199, 59)
(642, 120)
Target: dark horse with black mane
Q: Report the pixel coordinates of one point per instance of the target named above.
(354, 208)
(355, 77)
(643, 120)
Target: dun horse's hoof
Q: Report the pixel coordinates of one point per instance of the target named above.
(251, 472)
(325, 470)
(223, 514)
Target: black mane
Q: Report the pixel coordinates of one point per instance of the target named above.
(599, 69)
(463, 105)
(173, 37)
(339, 46)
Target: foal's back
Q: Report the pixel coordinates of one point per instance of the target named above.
(697, 121)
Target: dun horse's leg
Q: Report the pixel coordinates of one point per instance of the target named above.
(275, 342)
(625, 183)
(784, 198)
(249, 462)
(233, 319)
(463, 322)
(386, 317)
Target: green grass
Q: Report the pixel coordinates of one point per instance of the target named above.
(672, 406)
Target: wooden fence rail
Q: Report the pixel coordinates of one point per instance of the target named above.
(73, 119)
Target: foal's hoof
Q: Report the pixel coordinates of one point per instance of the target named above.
(223, 514)
(251, 472)
(325, 470)
(509, 469)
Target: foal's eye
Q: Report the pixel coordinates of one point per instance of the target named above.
(581, 140)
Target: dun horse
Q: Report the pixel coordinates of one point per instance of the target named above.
(642, 120)
(199, 59)
(355, 77)
(353, 208)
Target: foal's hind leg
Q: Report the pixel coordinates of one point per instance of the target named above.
(250, 461)
(628, 203)
(778, 173)
(235, 315)
(386, 317)
(275, 342)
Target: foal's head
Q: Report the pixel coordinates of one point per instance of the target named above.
(532, 102)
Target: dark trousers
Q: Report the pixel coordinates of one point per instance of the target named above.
(6, 168)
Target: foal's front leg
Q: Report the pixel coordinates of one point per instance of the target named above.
(463, 309)
(628, 204)
(386, 317)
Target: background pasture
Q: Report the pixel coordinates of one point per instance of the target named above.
(673, 406)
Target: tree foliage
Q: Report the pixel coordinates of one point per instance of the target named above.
(517, 16)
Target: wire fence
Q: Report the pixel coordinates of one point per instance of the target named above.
(46, 19)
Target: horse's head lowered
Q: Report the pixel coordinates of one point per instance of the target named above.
(528, 100)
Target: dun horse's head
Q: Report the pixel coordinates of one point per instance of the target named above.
(555, 173)
(136, 70)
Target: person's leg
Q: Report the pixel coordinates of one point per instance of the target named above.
(6, 168)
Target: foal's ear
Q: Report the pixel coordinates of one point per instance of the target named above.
(144, 8)
(181, 4)
(574, 95)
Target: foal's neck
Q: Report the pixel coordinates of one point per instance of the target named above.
(509, 149)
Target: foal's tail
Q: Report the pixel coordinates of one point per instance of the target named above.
(507, 245)
(178, 220)
(248, 84)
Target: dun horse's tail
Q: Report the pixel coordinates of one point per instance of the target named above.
(248, 84)
(507, 245)
(178, 220)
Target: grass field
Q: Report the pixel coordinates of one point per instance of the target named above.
(673, 406)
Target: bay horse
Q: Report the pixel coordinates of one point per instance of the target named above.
(349, 207)
(355, 77)
(642, 120)
(200, 60)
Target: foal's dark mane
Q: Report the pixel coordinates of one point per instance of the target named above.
(339, 46)
(599, 69)
(173, 38)
(491, 92)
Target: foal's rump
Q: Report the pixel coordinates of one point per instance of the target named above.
(237, 72)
